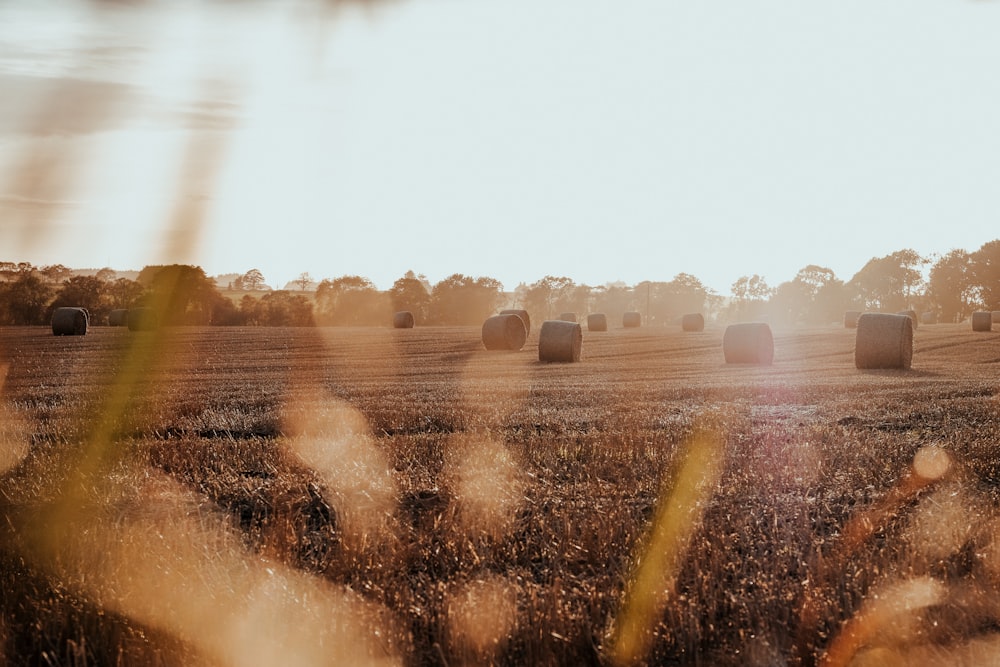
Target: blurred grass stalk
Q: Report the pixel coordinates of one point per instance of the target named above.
(682, 502)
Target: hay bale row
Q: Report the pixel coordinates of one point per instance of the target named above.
(142, 319)
(982, 320)
(523, 314)
(851, 319)
(884, 341)
(631, 320)
(68, 321)
(748, 343)
(597, 322)
(504, 332)
(560, 340)
(693, 322)
(402, 320)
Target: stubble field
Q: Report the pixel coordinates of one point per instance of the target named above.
(351, 496)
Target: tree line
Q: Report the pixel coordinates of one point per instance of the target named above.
(957, 284)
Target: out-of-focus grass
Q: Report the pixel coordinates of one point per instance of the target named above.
(467, 508)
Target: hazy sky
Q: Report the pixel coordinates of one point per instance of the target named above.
(513, 139)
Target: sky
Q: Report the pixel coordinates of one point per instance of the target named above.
(514, 139)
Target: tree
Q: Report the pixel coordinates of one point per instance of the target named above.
(182, 294)
(251, 281)
(814, 296)
(124, 293)
(613, 299)
(460, 299)
(889, 283)
(303, 281)
(750, 294)
(951, 289)
(282, 308)
(23, 300)
(87, 292)
(546, 298)
(351, 301)
(985, 273)
(56, 273)
(410, 293)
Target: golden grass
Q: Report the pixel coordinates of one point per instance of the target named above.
(213, 495)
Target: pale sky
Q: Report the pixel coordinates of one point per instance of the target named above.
(512, 139)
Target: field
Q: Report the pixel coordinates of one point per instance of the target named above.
(356, 496)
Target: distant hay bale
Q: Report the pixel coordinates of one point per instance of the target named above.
(504, 332)
(597, 322)
(402, 320)
(118, 317)
(883, 341)
(523, 314)
(693, 322)
(748, 343)
(68, 321)
(631, 320)
(560, 340)
(912, 314)
(929, 317)
(982, 320)
(567, 317)
(851, 319)
(142, 319)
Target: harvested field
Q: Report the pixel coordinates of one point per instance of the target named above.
(223, 496)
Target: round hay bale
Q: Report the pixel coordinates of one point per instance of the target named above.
(567, 317)
(982, 320)
(883, 341)
(929, 317)
(693, 322)
(851, 319)
(523, 314)
(748, 343)
(597, 322)
(912, 314)
(117, 317)
(631, 320)
(142, 319)
(402, 320)
(69, 321)
(560, 340)
(504, 332)
(995, 317)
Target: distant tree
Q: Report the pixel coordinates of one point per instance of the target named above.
(56, 273)
(750, 294)
(546, 298)
(251, 281)
(304, 281)
(665, 302)
(460, 299)
(351, 301)
(88, 292)
(106, 274)
(282, 308)
(951, 288)
(24, 299)
(613, 299)
(182, 294)
(410, 293)
(889, 283)
(814, 296)
(985, 273)
(124, 293)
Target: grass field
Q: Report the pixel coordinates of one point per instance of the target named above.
(356, 496)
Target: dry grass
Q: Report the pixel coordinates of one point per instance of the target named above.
(271, 492)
